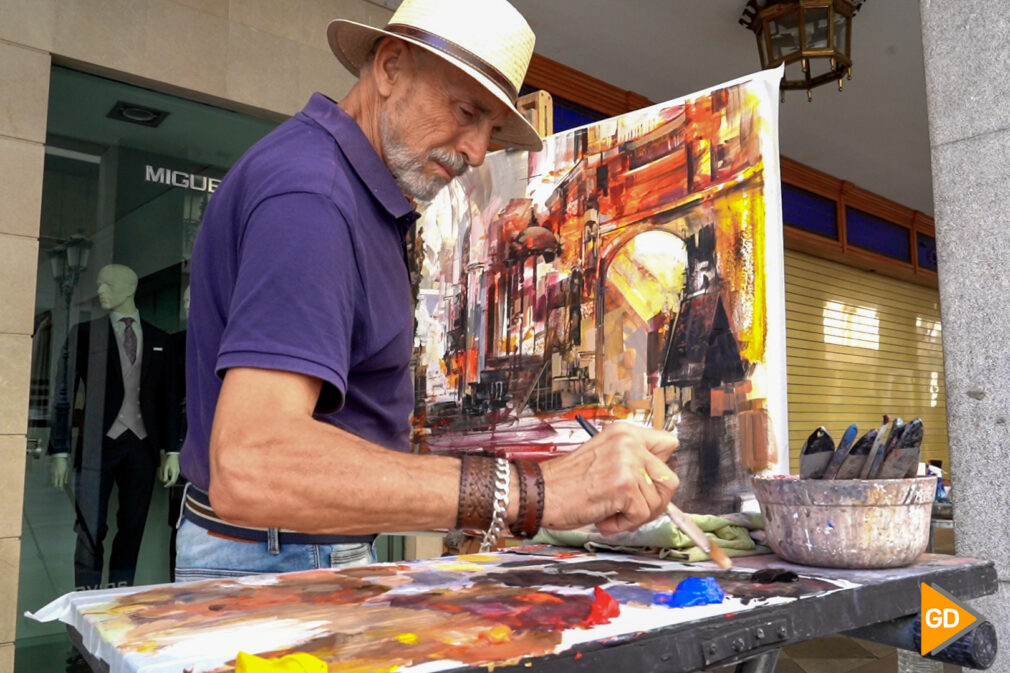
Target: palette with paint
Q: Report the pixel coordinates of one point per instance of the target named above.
(430, 615)
(541, 607)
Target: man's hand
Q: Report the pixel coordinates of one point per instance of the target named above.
(58, 471)
(617, 480)
(168, 473)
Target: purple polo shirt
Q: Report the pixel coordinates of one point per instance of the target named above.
(300, 266)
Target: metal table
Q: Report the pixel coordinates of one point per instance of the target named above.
(751, 634)
(754, 640)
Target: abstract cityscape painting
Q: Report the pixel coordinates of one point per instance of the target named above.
(632, 270)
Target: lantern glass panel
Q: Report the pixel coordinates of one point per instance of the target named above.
(74, 256)
(841, 33)
(817, 21)
(85, 254)
(57, 262)
(784, 33)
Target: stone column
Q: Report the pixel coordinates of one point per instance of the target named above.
(24, 88)
(966, 45)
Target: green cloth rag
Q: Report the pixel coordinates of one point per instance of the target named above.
(663, 538)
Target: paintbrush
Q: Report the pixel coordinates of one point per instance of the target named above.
(897, 427)
(903, 460)
(878, 445)
(841, 453)
(679, 518)
(816, 453)
(853, 464)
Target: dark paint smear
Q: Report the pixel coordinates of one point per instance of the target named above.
(526, 563)
(583, 575)
(516, 609)
(437, 577)
(631, 594)
(533, 578)
(805, 586)
(608, 566)
(771, 575)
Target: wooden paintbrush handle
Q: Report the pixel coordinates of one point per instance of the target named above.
(689, 528)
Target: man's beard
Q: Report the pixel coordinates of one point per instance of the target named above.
(408, 168)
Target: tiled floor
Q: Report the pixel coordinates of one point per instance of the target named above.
(838, 654)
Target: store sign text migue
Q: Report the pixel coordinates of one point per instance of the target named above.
(167, 176)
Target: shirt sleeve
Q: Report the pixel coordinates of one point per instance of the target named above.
(296, 290)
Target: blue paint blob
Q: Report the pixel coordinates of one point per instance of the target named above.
(663, 598)
(692, 591)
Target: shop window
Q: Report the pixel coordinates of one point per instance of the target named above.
(808, 211)
(122, 200)
(877, 235)
(568, 114)
(926, 250)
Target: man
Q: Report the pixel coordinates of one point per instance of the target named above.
(301, 322)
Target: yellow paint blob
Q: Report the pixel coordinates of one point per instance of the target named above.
(407, 638)
(291, 663)
(478, 558)
(499, 633)
(459, 567)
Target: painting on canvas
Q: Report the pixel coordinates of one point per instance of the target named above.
(630, 270)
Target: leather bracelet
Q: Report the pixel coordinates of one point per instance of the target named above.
(516, 528)
(531, 499)
(476, 493)
(462, 491)
(541, 497)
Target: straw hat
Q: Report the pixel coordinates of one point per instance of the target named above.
(487, 39)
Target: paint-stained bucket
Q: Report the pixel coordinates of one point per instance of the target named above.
(849, 523)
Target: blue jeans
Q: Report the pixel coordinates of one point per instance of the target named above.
(203, 556)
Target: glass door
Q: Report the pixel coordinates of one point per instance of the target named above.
(128, 172)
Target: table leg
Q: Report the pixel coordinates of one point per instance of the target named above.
(96, 665)
(762, 663)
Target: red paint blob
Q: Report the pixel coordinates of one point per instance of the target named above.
(603, 609)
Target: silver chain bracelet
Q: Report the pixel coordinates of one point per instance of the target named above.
(502, 477)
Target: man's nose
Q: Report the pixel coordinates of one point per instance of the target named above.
(474, 143)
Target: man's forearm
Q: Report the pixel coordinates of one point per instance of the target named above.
(317, 478)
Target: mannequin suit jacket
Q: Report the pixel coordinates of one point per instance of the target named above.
(94, 341)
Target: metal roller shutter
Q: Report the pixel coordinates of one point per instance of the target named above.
(859, 345)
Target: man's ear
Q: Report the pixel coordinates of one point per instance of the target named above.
(391, 63)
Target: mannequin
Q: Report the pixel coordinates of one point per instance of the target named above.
(127, 434)
(169, 471)
(170, 474)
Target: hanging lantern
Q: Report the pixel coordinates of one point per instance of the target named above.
(812, 37)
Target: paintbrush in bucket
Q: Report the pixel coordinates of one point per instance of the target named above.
(679, 518)
(816, 454)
